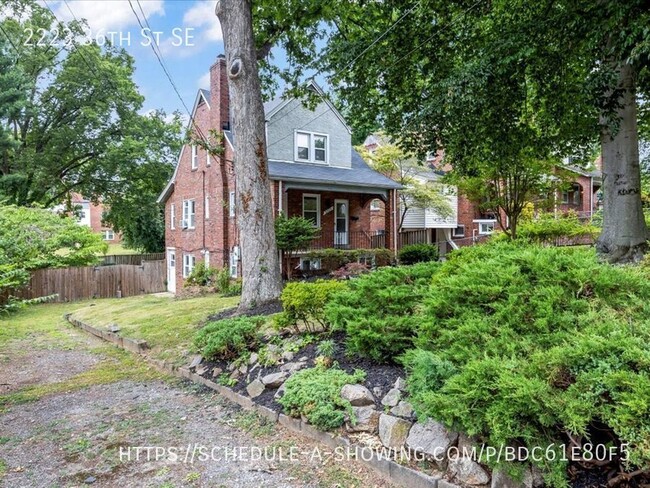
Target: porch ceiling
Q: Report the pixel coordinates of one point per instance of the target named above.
(333, 187)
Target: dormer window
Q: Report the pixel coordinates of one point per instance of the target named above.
(311, 147)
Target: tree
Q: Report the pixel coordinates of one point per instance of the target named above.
(392, 161)
(509, 82)
(32, 238)
(262, 281)
(73, 121)
(292, 235)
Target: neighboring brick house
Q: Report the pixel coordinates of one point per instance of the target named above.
(314, 173)
(584, 196)
(90, 214)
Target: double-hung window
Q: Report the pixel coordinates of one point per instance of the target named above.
(188, 264)
(172, 216)
(195, 157)
(189, 214)
(231, 204)
(311, 147)
(311, 208)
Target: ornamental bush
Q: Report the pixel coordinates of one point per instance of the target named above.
(316, 394)
(418, 253)
(304, 304)
(528, 345)
(229, 338)
(377, 310)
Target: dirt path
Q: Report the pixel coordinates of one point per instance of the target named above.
(75, 413)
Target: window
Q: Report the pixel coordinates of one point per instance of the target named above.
(485, 228)
(189, 214)
(231, 204)
(565, 196)
(459, 231)
(234, 257)
(311, 208)
(311, 147)
(188, 264)
(195, 157)
(172, 216)
(108, 235)
(375, 205)
(308, 264)
(206, 208)
(207, 159)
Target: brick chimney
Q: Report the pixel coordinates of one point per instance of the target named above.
(219, 95)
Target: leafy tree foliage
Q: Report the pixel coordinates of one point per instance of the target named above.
(69, 122)
(293, 234)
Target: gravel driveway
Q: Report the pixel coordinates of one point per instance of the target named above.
(79, 426)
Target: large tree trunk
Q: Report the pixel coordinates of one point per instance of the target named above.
(262, 281)
(624, 231)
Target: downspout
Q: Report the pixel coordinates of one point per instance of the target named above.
(591, 198)
(204, 211)
(280, 197)
(394, 192)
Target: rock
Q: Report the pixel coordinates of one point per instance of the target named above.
(196, 360)
(235, 375)
(280, 392)
(255, 389)
(274, 380)
(243, 369)
(90, 480)
(468, 472)
(502, 480)
(288, 355)
(216, 372)
(273, 348)
(114, 328)
(465, 444)
(393, 431)
(400, 384)
(392, 398)
(253, 358)
(292, 367)
(402, 409)
(378, 392)
(431, 438)
(303, 359)
(537, 477)
(366, 420)
(357, 395)
(201, 370)
(231, 366)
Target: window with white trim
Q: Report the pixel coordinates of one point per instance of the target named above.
(234, 258)
(459, 231)
(195, 157)
(311, 208)
(189, 214)
(108, 235)
(206, 208)
(231, 204)
(189, 262)
(375, 205)
(311, 147)
(172, 216)
(309, 264)
(485, 228)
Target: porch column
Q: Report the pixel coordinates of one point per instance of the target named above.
(390, 221)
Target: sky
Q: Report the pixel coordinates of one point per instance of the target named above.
(187, 31)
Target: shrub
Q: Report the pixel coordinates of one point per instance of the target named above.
(547, 229)
(201, 275)
(418, 253)
(351, 270)
(293, 234)
(228, 338)
(316, 394)
(525, 344)
(376, 310)
(304, 303)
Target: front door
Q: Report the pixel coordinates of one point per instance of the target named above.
(171, 270)
(341, 223)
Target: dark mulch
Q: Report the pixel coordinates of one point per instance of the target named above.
(382, 376)
(598, 478)
(266, 309)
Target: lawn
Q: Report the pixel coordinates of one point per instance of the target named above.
(166, 323)
(119, 249)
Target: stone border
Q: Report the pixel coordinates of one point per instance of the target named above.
(390, 470)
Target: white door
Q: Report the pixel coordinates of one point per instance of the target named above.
(171, 270)
(341, 223)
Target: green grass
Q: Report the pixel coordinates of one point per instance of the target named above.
(167, 324)
(119, 249)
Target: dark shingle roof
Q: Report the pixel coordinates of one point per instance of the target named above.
(359, 175)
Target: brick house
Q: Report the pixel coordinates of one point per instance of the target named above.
(314, 173)
(90, 214)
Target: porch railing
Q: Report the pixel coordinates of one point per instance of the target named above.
(348, 240)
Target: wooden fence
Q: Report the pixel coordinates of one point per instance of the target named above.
(136, 259)
(71, 284)
(418, 236)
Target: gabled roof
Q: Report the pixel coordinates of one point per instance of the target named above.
(581, 171)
